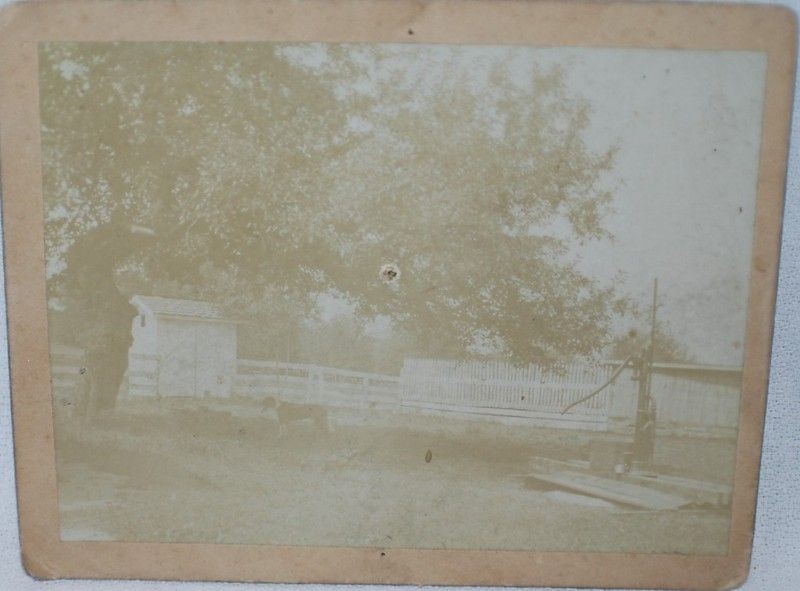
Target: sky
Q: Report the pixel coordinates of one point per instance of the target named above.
(687, 125)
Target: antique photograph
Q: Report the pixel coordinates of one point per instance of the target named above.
(401, 295)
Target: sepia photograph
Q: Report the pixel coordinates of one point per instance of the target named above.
(395, 295)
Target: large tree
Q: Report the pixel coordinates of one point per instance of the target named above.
(215, 147)
(271, 174)
(480, 191)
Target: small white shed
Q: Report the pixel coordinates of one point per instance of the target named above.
(181, 348)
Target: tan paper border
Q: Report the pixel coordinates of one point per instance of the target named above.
(644, 25)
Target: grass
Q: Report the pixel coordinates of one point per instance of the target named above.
(194, 472)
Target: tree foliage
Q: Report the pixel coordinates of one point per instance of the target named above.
(273, 173)
(667, 348)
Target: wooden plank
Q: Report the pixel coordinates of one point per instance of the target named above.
(623, 493)
(699, 491)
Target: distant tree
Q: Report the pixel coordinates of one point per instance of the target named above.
(339, 342)
(667, 349)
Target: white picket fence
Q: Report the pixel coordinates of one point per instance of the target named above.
(507, 392)
(691, 399)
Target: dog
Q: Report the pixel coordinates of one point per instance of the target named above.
(292, 412)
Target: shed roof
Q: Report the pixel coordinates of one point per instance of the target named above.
(180, 308)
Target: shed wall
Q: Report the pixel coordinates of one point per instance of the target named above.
(195, 358)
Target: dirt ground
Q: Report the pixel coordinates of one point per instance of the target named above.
(192, 473)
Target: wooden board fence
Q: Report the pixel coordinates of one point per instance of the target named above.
(300, 382)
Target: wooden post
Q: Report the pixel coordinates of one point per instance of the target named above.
(644, 429)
